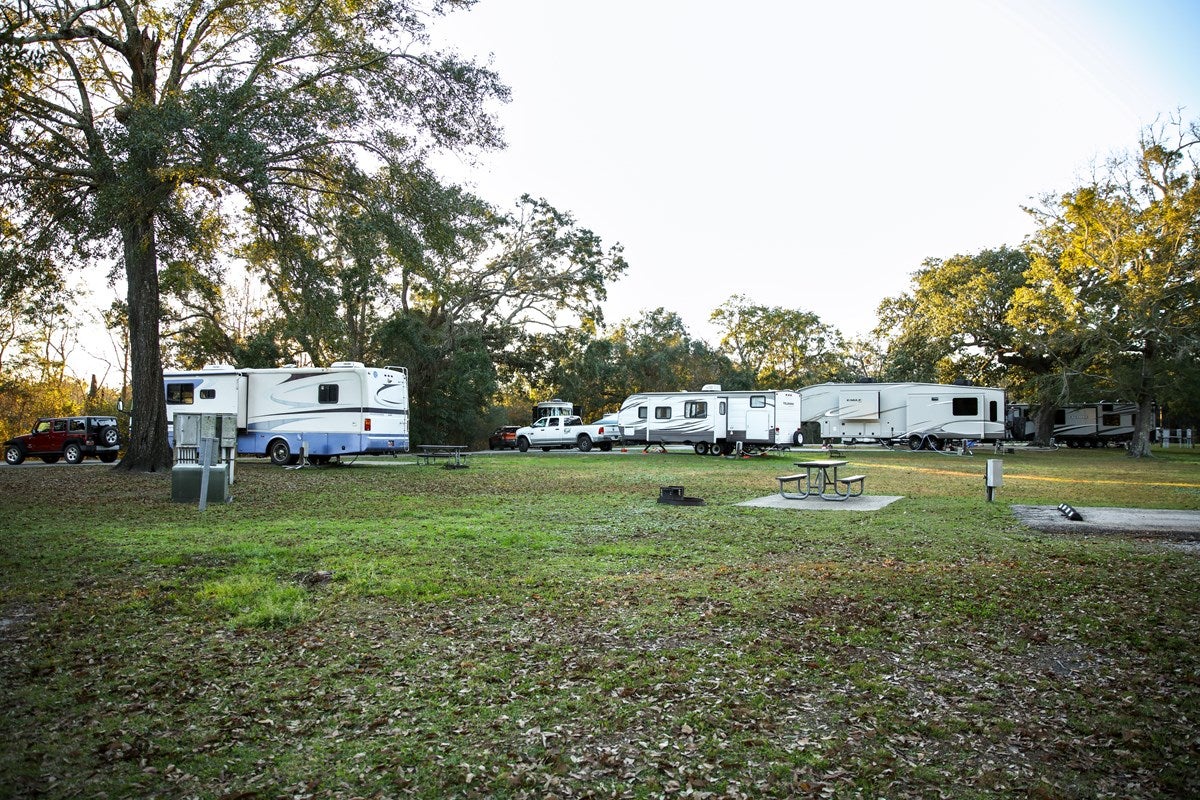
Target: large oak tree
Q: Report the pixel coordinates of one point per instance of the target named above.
(131, 131)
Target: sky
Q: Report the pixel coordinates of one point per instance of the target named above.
(811, 155)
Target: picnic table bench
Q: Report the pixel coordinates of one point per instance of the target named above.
(820, 479)
(454, 454)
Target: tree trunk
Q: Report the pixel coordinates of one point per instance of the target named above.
(1044, 421)
(147, 450)
(1139, 445)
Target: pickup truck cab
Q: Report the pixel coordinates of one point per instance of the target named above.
(550, 432)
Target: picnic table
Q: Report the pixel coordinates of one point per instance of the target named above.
(820, 479)
(455, 454)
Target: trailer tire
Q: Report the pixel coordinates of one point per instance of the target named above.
(915, 443)
(606, 447)
(280, 452)
(523, 444)
(797, 438)
(714, 449)
(584, 443)
(701, 448)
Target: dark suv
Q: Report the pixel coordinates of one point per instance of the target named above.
(68, 438)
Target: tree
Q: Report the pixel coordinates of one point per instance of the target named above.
(136, 129)
(780, 347)
(1115, 265)
(962, 321)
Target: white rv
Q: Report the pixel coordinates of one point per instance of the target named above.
(343, 410)
(711, 420)
(921, 415)
(1082, 425)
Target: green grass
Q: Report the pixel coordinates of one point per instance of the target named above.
(538, 625)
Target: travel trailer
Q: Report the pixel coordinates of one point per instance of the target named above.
(921, 415)
(343, 410)
(1081, 425)
(712, 421)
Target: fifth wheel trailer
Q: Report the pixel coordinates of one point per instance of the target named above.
(343, 410)
(712, 421)
(921, 415)
(1080, 425)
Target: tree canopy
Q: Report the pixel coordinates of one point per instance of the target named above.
(145, 132)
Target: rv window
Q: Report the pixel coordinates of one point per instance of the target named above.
(1111, 420)
(662, 412)
(965, 406)
(181, 394)
(1060, 416)
(641, 412)
(697, 409)
(758, 401)
(993, 411)
(208, 394)
(327, 393)
(721, 408)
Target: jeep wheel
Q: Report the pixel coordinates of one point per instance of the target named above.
(280, 452)
(13, 455)
(73, 453)
(523, 444)
(109, 437)
(50, 459)
(108, 458)
(584, 443)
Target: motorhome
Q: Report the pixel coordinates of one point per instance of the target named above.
(711, 420)
(921, 415)
(554, 408)
(1080, 425)
(343, 410)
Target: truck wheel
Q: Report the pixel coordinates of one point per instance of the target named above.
(280, 452)
(523, 444)
(13, 455)
(585, 443)
(73, 453)
(606, 447)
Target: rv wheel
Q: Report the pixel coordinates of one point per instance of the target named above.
(280, 452)
(915, 442)
(701, 448)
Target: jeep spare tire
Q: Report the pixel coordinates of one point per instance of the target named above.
(109, 437)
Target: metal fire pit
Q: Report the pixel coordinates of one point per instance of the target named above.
(673, 496)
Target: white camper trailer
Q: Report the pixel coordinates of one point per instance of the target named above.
(921, 415)
(1081, 425)
(711, 420)
(343, 410)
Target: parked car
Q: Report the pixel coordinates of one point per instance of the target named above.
(69, 438)
(503, 437)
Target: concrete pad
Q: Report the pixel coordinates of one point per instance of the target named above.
(1129, 521)
(864, 502)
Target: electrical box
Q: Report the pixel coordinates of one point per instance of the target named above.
(995, 473)
(186, 479)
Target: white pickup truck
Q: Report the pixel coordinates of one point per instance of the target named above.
(550, 432)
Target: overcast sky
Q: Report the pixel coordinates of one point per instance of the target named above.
(811, 155)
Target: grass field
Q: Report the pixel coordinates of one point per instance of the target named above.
(539, 626)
